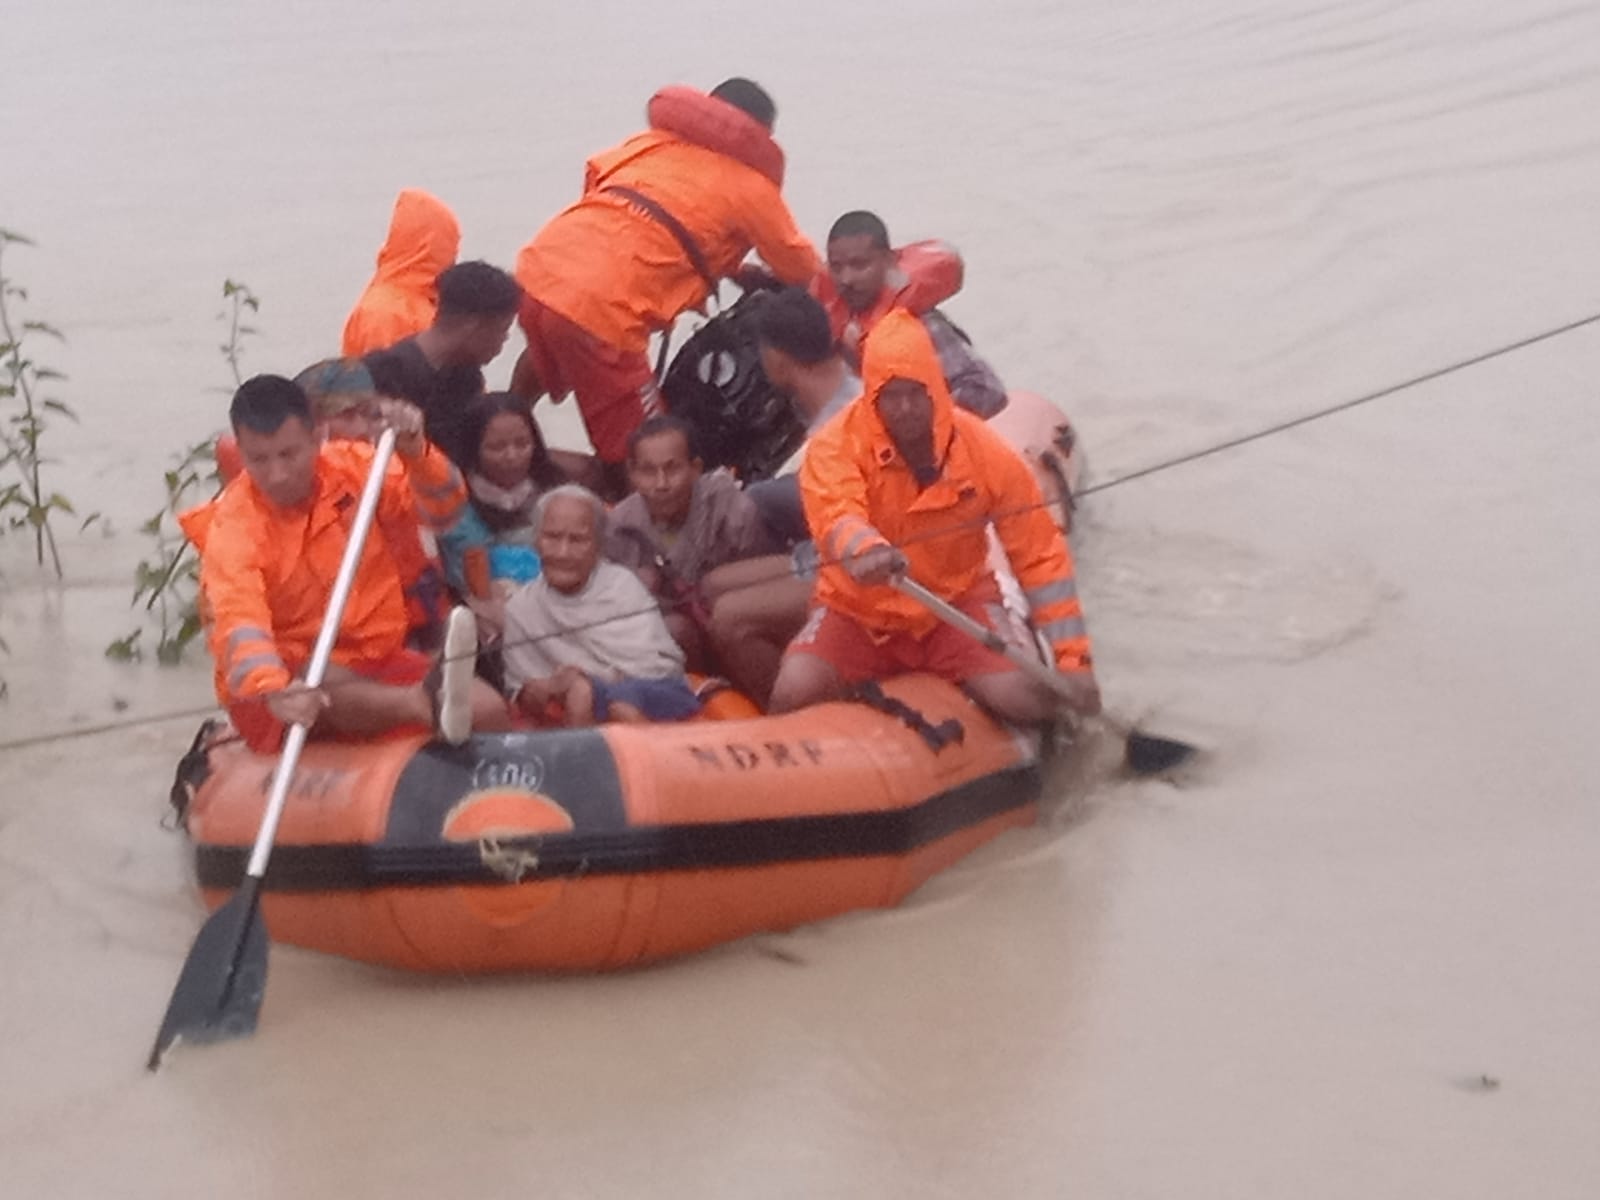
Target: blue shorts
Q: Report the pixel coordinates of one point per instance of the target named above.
(669, 699)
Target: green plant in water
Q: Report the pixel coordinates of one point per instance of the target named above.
(168, 583)
(24, 419)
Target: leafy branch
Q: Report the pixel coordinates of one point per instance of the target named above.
(168, 582)
(24, 419)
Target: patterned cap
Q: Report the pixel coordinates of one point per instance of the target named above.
(335, 385)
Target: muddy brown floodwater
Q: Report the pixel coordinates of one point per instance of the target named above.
(1353, 954)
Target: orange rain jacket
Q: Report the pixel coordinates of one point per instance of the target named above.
(420, 572)
(266, 573)
(400, 300)
(617, 272)
(924, 276)
(859, 493)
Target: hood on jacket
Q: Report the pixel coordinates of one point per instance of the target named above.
(424, 238)
(899, 348)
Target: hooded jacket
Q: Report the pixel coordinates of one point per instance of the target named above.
(266, 572)
(619, 273)
(400, 299)
(859, 492)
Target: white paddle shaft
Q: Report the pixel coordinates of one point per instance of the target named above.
(326, 637)
(952, 615)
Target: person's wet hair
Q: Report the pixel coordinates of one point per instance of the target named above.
(264, 402)
(656, 426)
(794, 321)
(572, 491)
(475, 422)
(477, 289)
(748, 97)
(859, 222)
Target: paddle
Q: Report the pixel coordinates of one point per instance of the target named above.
(1146, 753)
(218, 993)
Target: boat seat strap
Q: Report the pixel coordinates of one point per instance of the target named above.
(948, 732)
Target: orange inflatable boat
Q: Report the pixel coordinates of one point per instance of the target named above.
(603, 848)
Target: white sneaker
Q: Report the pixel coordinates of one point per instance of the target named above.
(450, 682)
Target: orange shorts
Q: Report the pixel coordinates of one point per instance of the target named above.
(616, 389)
(857, 655)
(263, 732)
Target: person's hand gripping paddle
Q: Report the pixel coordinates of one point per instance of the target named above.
(218, 994)
(1146, 753)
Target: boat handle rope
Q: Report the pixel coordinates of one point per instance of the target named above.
(961, 527)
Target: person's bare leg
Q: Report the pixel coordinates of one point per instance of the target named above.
(490, 712)
(362, 707)
(626, 714)
(579, 468)
(690, 640)
(613, 481)
(804, 679)
(746, 573)
(525, 381)
(579, 702)
(750, 627)
(1012, 696)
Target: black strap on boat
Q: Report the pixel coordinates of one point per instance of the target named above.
(948, 732)
(192, 770)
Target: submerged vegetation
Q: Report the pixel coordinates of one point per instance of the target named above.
(167, 582)
(26, 410)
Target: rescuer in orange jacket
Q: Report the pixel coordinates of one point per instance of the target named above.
(345, 404)
(270, 546)
(400, 299)
(663, 217)
(904, 480)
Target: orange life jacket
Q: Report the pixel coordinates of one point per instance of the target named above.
(427, 594)
(266, 572)
(859, 492)
(924, 276)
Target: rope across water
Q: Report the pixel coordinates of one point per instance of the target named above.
(1117, 481)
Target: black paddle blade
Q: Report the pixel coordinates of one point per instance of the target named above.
(1148, 754)
(218, 995)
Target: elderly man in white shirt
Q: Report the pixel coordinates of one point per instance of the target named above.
(586, 642)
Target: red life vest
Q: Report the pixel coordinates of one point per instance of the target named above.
(717, 125)
(924, 275)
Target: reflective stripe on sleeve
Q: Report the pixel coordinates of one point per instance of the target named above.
(243, 668)
(1064, 630)
(241, 635)
(1051, 593)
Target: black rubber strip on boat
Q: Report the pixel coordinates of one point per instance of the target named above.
(698, 847)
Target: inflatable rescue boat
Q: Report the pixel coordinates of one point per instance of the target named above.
(609, 847)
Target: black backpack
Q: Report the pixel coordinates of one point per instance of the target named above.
(716, 384)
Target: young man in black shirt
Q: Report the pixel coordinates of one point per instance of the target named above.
(440, 370)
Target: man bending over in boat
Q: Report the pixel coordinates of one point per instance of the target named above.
(678, 524)
(585, 642)
(440, 370)
(867, 279)
(270, 547)
(663, 218)
(902, 480)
